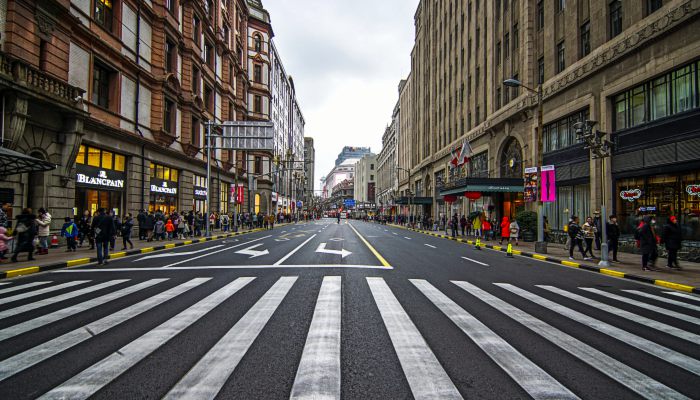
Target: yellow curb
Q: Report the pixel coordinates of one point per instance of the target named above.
(22, 271)
(79, 261)
(612, 272)
(470, 241)
(518, 252)
(539, 257)
(570, 264)
(498, 248)
(118, 255)
(186, 242)
(170, 245)
(672, 285)
(146, 250)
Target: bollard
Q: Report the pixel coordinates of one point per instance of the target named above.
(509, 252)
(478, 244)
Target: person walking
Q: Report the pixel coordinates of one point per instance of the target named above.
(149, 225)
(169, 228)
(463, 224)
(117, 229)
(141, 219)
(598, 223)
(672, 238)
(454, 224)
(198, 224)
(576, 237)
(476, 225)
(127, 226)
(505, 229)
(70, 232)
(43, 222)
(589, 232)
(647, 243)
(613, 234)
(24, 232)
(547, 229)
(3, 242)
(103, 226)
(159, 230)
(514, 230)
(84, 229)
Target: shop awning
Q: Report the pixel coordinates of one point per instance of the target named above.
(13, 163)
(414, 200)
(484, 185)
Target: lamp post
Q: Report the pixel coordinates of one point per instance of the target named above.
(206, 219)
(540, 245)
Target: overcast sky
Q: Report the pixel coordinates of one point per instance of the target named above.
(346, 58)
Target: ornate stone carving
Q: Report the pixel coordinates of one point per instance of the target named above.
(73, 133)
(17, 107)
(45, 22)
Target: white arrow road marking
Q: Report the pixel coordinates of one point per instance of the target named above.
(336, 239)
(253, 253)
(406, 237)
(282, 240)
(474, 261)
(184, 253)
(431, 246)
(322, 249)
(217, 251)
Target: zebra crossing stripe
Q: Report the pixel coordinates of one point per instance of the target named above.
(671, 330)
(664, 299)
(425, 375)
(684, 295)
(53, 300)
(535, 381)
(38, 292)
(90, 380)
(646, 306)
(671, 356)
(22, 287)
(318, 375)
(35, 355)
(621, 373)
(38, 322)
(210, 373)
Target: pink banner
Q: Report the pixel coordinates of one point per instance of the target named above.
(548, 191)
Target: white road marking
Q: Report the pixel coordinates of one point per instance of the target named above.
(474, 261)
(425, 375)
(671, 356)
(215, 252)
(336, 239)
(184, 253)
(431, 246)
(38, 292)
(253, 253)
(623, 374)
(92, 379)
(212, 371)
(342, 252)
(395, 233)
(684, 295)
(43, 320)
(671, 330)
(283, 259)
(665, 300)
(535, 381)
(406, 237)
(53, 300)
(646, 306)
(44, 351)
(22, 287)
(318, 375)
(203, 267)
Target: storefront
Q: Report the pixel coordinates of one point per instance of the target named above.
(199, 199)
(164, 189)
(100, 181)
(495, 197)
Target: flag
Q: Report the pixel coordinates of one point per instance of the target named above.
(455, 158)
(465, 153)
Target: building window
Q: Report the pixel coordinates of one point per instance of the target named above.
(506, 96)
(170, 56)
(169, 116)
(561, 60)
(653, 5)
(257, 43)
(506, 46)
(540, 15)
(208, 98)
(560, 134)
(104, 14)
(257, 73)
(209, 6)
(615, 11)
(209, 54)
(585, 39)
(257, 104)
(101, 77)
(226, 35)
(498, 53)
(561, 5)
(498, 98)
(99, 158)
(170, 5)
(516, 37)
(195, 80)
(196, 30)
(540, 70)
(230, 111)
(194, 132)
(257, 165)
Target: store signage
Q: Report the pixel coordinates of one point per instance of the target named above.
(693, 190)
(274, 197)
(98, 179)
(530, 194)
(631, 194)
(548, 190)
(200, 191)
(163, 188)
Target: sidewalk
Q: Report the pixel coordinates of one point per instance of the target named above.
(60, 258)
(630, 265)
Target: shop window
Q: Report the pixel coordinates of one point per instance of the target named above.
(684, 89)
(80, 158)
(106, 160)
(659, 98)
(119, 163)
(93, 157)
(638, 104)
(104, 13)
(224, 194)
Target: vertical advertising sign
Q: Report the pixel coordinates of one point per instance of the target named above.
(548, 191)
(530, 194)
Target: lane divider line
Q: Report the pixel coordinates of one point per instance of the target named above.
(370, 247)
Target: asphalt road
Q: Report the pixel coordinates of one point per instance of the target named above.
(358, 311)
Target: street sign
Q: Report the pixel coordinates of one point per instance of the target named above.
(248, 135)
(299, 203)
(349, 203)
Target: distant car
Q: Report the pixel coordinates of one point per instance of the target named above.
(343, 215)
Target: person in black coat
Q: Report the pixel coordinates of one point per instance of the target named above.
(103, 226)
(25, 231)
(149, 224)
(612, 230)
(141, 218)
(672, 239)
(647, 244)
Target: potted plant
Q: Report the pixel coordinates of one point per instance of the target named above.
(527, 220)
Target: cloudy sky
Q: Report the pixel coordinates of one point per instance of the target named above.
(346, 58)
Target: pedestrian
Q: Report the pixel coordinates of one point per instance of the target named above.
(70, 232)
(476, 225)
(454, 224)
(85, 230)
(198, 223)
(505, 229)
(463, 224)
(576, 237)
(169, 228)
(514, 230)
(224, 222)
(141, 219)
(486, 228)
(613, 234)
(597, 222)
(159, 230)
(43, 222)
(127, 226)
(117, 229)
(647, 243)
(103, 226)
(3, 242)
(589, 232)
(547, 229)
(212, 221)
(24, 232)
(4, 220)
(149, 225)
(672, 240)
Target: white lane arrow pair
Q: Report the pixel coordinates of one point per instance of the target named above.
(322, 249)
(253, 253)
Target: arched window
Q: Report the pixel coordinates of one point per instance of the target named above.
(257, 40)
(512, 160)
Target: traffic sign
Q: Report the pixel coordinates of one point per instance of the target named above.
(349, 203)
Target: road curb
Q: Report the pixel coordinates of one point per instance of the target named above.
(541, 257)
(88, 260)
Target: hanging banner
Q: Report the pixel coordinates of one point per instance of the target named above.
(237, 192)
(548, 191)
(530, 193)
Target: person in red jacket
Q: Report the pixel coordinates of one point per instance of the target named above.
(505, 229)
(169, 228)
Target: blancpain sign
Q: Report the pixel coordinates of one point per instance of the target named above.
(100, 180)
(200, 192)
(163, 189)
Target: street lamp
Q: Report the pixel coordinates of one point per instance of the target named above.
(540, 245)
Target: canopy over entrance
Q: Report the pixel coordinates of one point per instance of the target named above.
(12, 163)
(483, 185)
